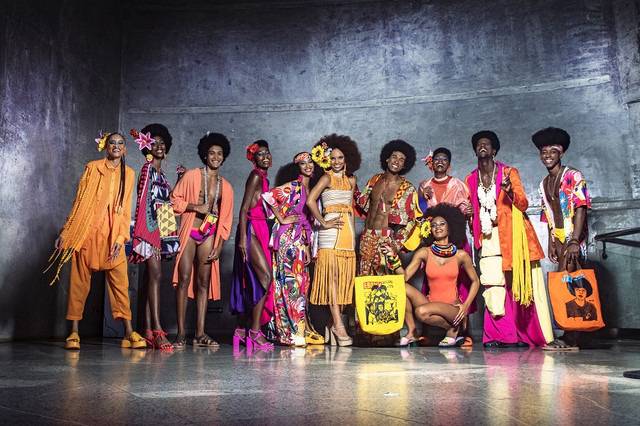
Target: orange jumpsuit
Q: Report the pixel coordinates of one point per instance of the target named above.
(108, 224)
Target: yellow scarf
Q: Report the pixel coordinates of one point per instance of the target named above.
(522, 286)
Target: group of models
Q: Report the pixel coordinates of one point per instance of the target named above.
(313, 216)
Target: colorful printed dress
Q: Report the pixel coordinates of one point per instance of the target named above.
(152, 232)
(290, 274)
(573, 194)
(335, 269)
(246, 290)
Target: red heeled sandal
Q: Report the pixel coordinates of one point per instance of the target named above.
(160, 341)
(239, 339)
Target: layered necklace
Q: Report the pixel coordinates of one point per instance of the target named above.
(214, 206)
(487, 199)
(444, 250)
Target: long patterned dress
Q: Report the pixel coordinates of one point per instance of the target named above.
(147, 239)
(290, 274)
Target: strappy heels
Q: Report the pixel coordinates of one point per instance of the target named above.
(253, 343)
(340, 340)
(239, 338)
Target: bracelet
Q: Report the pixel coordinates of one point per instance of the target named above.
(573, 241)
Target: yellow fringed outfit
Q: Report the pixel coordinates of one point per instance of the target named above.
(335, 269)
(97, 221)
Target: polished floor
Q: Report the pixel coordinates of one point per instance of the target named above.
(41, 383)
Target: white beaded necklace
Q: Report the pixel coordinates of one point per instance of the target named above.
(487, 199)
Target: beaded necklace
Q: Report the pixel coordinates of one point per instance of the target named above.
(487, 199)
(447, 250)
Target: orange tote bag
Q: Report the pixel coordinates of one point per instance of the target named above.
(575, 300)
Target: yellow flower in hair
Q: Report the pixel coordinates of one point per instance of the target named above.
(102, 140)
(317, 154)
(325, 163)
(425, 229)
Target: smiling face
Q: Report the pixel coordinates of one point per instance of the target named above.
(439, 228)
(337, 160)
(484, 148)
(306, 167)
(158, 149)
(116, 147)
(440, 163)
(215, 157)
(395, 162)
(262, 157)
(550, 157)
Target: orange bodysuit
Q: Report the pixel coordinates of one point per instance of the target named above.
(443, 280)
(95, 223)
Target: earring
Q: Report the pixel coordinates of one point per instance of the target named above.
(149, 157)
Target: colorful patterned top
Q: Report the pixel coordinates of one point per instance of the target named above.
(404, 207)
(573, 194)
(153, 192)
(290, 199)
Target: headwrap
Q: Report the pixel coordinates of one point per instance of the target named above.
(303, 156)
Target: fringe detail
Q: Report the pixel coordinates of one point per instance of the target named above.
(521, 285)
(332, 264)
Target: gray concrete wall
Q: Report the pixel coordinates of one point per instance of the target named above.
(59, 84)
(428, 72)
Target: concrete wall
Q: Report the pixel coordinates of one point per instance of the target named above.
(431, 73)
(59, 84)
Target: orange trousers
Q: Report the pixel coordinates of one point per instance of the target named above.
(93, 257)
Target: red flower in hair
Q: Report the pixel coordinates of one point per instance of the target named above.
(251, 151)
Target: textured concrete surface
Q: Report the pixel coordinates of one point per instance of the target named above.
(59, 85)
(41, 383)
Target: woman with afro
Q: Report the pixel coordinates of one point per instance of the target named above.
(151, 242)
(443, 231)
(335, 269)
(205, 201)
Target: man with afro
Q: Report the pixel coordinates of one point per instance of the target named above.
(390, 202)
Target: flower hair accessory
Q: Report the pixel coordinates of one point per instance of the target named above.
(320, 155)
(428, 160)
(101, 140)
(144, 140)
(303, 156)
(251, 151)
(425, 228)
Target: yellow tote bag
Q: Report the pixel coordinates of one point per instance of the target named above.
(380, 303)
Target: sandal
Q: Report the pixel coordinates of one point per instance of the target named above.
(148, 337)
(160, 341)
(313, 338)
(180, 342)
(468, 342)
(72, 342)
(451, 342)
(559, 345)
(204, 341)
(134, 341)
(407, 341)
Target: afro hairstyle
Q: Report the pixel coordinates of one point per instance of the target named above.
(486, 134)
(399, 146)
(551, 136)
(442, 150)
(213, 139)
(579, 283)
(349, 148)
(287, 173)
(157, 129)
(456, 222)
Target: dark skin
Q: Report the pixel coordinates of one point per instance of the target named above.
(153, 272)
(485, 152)
(384, 191)
(199, 256)
(252, 192)
(338, 165)
(115, 149)
(438, 314)
(567, 254)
